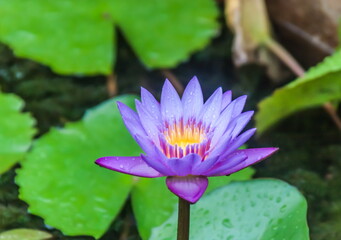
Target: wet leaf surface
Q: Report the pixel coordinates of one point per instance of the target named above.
(257, 210)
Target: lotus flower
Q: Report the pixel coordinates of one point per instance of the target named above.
(187, 140)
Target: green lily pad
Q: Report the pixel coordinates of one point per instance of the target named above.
(60, 181)
(153, 203)
(320, 84)
(16, 131)
(24, 234)
(79, 36)
(262, 209)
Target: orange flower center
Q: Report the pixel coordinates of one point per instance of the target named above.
(184, 135)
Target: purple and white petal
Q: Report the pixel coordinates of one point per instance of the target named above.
(237, 142)
(220, 147)
(150, 104)
(241, 122)
(171, 106)
(192, 99)
(129, 165)
(210, 112)
(183, 166)
(227, 97)
(131, 120)
(151, 125)
(239, 105)
(254, 155)
(154, 157)
(204, 166)
(223, 165)
(222, 124)
(188, 188)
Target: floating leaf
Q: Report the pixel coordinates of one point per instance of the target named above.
(16, 131)
(153, 203)
(255, 210)
(60, 181)
(78, 37)
(24, 234)
(320, 84)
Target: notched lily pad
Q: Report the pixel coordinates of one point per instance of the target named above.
(16, 131)
(255, 210)
(60, 181)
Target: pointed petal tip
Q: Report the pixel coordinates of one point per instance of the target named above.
(167, 83)
(145, 92)
(129, 165)
(122, 107)
(119, 104)
(194, 79)
(190, 188)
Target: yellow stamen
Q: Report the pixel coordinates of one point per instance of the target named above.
(181, 135)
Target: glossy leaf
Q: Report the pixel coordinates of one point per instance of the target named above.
(24, 234)
(79, 37)
(16, 131)
(262, 209)
(60, 181)
(153, 203)
(320, 84)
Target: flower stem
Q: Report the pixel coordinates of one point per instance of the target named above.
(183, 219)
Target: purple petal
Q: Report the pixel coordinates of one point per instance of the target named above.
(171, 106)
(254, 155)
(239, 105)
(154, 158)
(237, 142)
(192, 99)
(150, 104)
(241, 122)
(129, 165)
(220, 147)
(183, 166)
(211, 109)
(227, 97)
(226, 164)
(225, 146)
(131, 120)
(188, 188)
(223, 123)
(203, 166)
(149, 123)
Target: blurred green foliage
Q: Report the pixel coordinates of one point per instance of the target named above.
(16, 131)
(27, 234)
(79, 37)
(319, 85)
